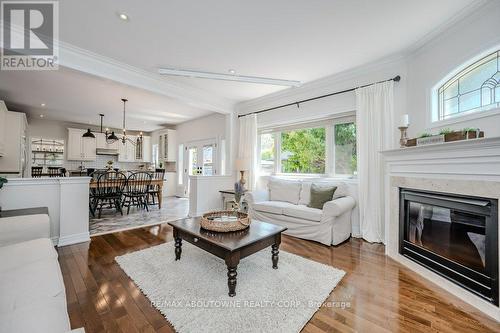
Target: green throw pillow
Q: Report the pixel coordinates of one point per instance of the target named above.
(320, 195)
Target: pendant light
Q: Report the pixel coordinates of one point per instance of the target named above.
(88, 134)
(124, 137)
(110, 137)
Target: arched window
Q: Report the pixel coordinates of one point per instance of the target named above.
(475, 88)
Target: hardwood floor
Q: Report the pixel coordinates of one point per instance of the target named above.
(376, 295)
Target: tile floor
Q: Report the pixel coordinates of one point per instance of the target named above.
(111, 221)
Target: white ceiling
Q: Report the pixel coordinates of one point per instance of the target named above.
(286, 39)
(78, 97)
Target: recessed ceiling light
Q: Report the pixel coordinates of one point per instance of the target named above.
(123, 16)
(232, 71)
(42, 105)
(41, 116)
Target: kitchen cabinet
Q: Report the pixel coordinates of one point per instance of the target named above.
(146, 149)
(3, 111)
(102, 144)
(126, 151)
(15, 158)
(167, 143)
(130, 152)
(79, 148)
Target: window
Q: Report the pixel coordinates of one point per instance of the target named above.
(267, 153)
(303, 151)
(346, 161)
(208, 162)
(326, 148)
(475, 88)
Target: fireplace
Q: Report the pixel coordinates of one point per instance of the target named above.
(455, 236)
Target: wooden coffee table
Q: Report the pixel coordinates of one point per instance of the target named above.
(230, 246)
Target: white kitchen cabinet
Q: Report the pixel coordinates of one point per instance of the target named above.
(80, 148)
(3, 111)
(14, 161)
(126, 152)
(167, 143)
(101, 142)
(146, 149)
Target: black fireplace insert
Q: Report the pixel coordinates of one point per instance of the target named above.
(453, 235)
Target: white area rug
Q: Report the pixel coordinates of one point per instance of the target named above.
(192, 293)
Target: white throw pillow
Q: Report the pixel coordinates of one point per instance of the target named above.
(305, 193)
(284, 190)
(341, 191)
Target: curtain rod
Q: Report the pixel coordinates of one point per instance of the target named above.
(395, 79)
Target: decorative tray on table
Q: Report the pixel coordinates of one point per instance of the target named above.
(225, 221)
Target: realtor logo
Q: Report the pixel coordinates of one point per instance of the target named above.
(29, 34)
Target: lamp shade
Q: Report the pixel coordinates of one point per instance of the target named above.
(241, 164)
(112, 137)
(88, 134)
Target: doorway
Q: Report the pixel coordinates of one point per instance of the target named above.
(200, 158)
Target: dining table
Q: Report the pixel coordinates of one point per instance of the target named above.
(156, 183)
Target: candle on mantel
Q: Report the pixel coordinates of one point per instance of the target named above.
(405, 120)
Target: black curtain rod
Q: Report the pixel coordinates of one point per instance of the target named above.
(395, 79)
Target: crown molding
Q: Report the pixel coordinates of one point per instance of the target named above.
(447, 26)
(82, 60)
(325, 84)
(76, 58)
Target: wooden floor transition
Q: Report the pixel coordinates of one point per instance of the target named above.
(377, 294)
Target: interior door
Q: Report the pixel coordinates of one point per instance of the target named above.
(200, 158)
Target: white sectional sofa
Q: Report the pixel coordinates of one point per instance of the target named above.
(32, 293)
(284, 202)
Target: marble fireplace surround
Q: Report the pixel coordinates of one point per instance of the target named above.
(469, 168)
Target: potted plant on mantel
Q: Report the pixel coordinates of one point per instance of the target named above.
(445, 135)
(2, 181)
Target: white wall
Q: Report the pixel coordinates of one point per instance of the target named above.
(215, 126)
(203, 128)
(432, 62)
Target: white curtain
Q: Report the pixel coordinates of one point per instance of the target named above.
(247, 149)
(375, 132)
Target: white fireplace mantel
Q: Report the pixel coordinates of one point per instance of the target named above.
(470, 167)
(467, 159)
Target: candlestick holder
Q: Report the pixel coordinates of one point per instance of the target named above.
(404, 139)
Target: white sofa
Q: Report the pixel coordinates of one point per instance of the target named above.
(284, 202)
(32, 293)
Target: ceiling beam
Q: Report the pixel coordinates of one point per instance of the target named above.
(85, 61)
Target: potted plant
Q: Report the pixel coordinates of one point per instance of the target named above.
(2, 181)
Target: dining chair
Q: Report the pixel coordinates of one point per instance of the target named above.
(109, 191)
(136, 191)
(54, 171)
(154, 190)
(36, 172)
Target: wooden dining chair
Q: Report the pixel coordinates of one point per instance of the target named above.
(136, 191)
(108, 193)
(154, 190)
(36, 172)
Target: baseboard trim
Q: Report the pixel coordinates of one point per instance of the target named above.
(73, 239)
